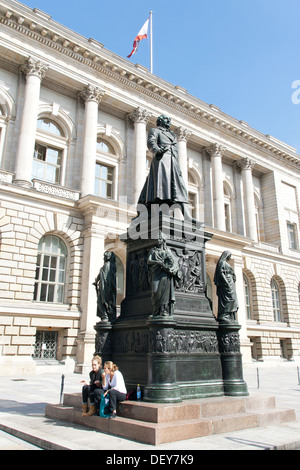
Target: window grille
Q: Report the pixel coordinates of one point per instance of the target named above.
(45, 345)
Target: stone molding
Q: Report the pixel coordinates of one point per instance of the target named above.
(55, 190)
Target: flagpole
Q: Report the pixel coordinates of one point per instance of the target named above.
(151, 44)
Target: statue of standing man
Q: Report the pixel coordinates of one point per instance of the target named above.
(164, 183)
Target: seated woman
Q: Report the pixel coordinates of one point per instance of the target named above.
(114, 385)
(97, 379)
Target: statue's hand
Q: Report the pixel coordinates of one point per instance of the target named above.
(161, 152)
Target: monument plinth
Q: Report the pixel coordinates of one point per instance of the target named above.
(172, 353)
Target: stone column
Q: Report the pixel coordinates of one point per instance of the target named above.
(92, 97)
(216, 151)
(183, 135)
(140, 118)
(34, 71)
(246, 165)
(93, 252)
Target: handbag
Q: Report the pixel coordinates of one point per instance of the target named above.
(104, 411)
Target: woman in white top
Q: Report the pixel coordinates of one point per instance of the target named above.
(114, 385)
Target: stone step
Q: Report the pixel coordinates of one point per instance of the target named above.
(195, 408)
(175, 422)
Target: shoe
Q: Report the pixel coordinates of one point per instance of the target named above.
(92, 411)
(113, 415)
(84, 410)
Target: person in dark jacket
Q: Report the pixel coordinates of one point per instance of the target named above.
(97, 379)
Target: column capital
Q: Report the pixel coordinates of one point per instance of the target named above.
(34, 67)
(140, 115)
(215, 150)
(92, 93)
(183, 134)
(245, 163)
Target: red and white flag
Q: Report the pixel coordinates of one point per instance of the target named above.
(142, 34)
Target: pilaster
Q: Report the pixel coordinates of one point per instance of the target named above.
(93, 252)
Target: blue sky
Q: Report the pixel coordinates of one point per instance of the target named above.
(241, 55)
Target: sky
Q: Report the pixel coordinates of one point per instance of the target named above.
(240, 55)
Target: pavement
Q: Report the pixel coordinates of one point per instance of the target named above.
(23, 425)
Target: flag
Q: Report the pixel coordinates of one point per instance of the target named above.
(142, 34)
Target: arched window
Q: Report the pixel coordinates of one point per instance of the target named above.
(49, 126)
(276, 300)
(49, 152)
(105, 172)
(51, 267)
(247, 294)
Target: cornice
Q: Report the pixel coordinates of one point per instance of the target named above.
(40, 27)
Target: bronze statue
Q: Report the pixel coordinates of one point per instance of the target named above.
(163, 268)
(225, 281)
(164, 183)
(106, 288)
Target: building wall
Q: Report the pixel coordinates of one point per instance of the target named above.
(226, 163)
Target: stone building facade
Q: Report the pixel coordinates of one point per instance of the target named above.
(73, 160)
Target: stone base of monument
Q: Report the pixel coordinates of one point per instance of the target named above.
(157, 423)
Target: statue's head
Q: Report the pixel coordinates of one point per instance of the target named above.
(109, 256)
(163, 121)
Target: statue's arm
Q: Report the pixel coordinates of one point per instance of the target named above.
(153, 144)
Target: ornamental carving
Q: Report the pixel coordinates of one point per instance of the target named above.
(138, 279)
(92, 93)
(245, 164)
(190, 267)
(183, 341)
(103, 343)
(140, 115)
(183, 134)
(215, 150)
(131, 341)
(229, 342)
(34, 67)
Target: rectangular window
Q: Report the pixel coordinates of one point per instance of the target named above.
(192, 204)
(104, 181)
(46, 163)
(292, 236)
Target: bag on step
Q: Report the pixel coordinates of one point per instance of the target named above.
(104, 406)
